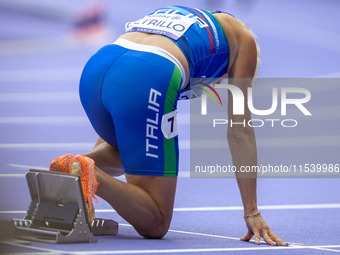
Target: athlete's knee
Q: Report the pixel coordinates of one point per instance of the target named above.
(156, 230)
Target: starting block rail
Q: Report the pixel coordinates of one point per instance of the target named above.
(56, 213)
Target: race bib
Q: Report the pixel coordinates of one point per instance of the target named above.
(171, 25)
(169, 125)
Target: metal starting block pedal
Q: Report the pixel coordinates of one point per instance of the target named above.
(57, 211)
(101, 227)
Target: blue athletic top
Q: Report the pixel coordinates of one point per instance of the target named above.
(196, 32)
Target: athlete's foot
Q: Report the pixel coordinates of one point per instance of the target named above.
(61, 164)
(84, 166)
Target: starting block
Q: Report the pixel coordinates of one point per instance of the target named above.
(56, 213)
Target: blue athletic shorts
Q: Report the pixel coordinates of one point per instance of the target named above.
(129, 92)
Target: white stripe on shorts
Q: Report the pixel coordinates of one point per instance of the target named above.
(153, 49)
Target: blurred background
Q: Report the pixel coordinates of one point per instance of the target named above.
(45, 44)
(291, 33)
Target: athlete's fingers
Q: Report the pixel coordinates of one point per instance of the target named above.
(268, 240)
(248, 236)
(257, 237)
(276, 239)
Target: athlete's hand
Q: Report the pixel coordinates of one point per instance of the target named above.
(258, 227)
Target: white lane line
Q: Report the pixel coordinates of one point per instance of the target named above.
(281, 142)
(319, 113)
(209, 235)
(74, 120)
(191, 233)
(47, 146)
(255, 248)
(39, 45)
(25, 166)
(12, 175)
(302, 206)
(184, 174)
(29, 253)
(233, 208)
(324, 249)
(79, 120)
(49, 97)
(10, 212)
(50, 251)
(201, 234)
(41, 75)
(239, 208)
(319, 247)
(272, 142)
(261, 207)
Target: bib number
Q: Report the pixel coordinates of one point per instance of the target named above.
(169, 125)
(171, 25)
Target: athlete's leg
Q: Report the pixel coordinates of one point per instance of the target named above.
(128, 115)
(107, 158)
(146, 202)
(99, 141)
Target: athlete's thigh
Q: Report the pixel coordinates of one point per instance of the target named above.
(140, 92)
(161, 189)
(90, 92)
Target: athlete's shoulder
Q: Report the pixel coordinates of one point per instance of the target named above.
(241, 39)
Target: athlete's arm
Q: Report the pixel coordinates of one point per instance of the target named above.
(241, 139)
